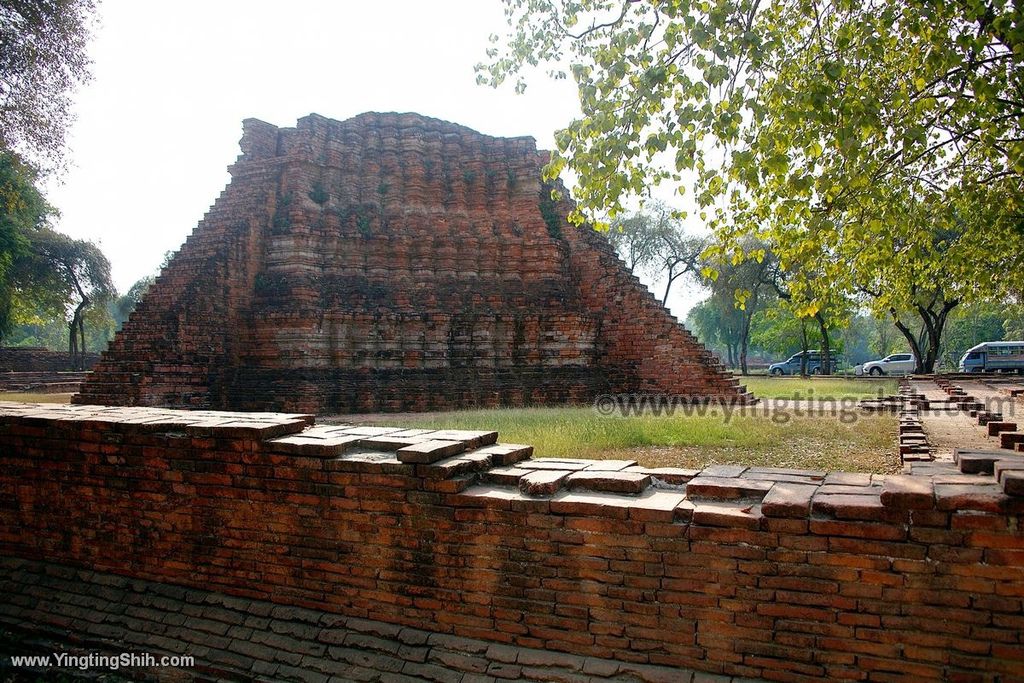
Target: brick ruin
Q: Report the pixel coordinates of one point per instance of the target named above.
(394, 262)
(272, 548)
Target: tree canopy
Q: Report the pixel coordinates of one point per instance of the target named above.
(43, 273)
(654, 240)
(872, 145)
(22, 212)
(42, 61)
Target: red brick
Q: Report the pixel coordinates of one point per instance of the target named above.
(960, 497)
(861, 507)
(610, 481)
(431, 451)
(788, 500)
(908, 493)
(725, 488)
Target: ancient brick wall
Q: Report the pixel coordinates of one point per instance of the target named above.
(394, 262)
(778, 574)
(32, 359)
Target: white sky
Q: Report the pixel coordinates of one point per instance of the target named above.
(160, 122)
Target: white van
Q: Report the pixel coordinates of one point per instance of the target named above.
(1002, 356)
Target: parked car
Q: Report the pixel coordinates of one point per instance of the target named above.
(791, 366)
(893, 364)
(1003, 356)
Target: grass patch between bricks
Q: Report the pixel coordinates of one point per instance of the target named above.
(805, 441)
(818, 388)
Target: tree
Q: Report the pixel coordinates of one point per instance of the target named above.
(718, 322)
(22, 212)
(635, 238)
(776, 330)
(1013, 321)
(919, 277)
(829, 129)
(882, 331)
(65, 276)
(855, 338)
(740, 285)
(42, 62)
(654, 240)
(680, 255)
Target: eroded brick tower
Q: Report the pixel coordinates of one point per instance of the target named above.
(394, 262)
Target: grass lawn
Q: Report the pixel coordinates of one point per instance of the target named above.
(805, 388)
(814, 442)
(30, 397)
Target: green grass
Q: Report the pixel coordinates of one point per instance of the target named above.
(814, 442)
(806, 388)
(34, 397)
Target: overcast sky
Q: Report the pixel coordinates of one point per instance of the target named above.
(160, 122)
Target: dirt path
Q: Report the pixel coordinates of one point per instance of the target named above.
(949, 429)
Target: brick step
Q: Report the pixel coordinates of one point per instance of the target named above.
(996, 427)
(973, 461)
(1011, 440)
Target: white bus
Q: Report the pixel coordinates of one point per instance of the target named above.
(1002, 356)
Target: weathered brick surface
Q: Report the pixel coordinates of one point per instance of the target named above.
(394, 262)
(837, 576)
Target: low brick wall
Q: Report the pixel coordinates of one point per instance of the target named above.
(31, 359)
(763, 573)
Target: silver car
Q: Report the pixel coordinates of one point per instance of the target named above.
(893, 364)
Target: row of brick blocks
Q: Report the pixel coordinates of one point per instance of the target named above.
(912, 440)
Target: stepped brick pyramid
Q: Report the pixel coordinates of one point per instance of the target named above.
(395, 262)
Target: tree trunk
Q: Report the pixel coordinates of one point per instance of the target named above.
(934, 322)
(674, 275)
(803, 348)
(76, 331)
(81, 348)
(926, 348)
(826, 350)
(744, 342)
(668, 287)
(911, 338)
